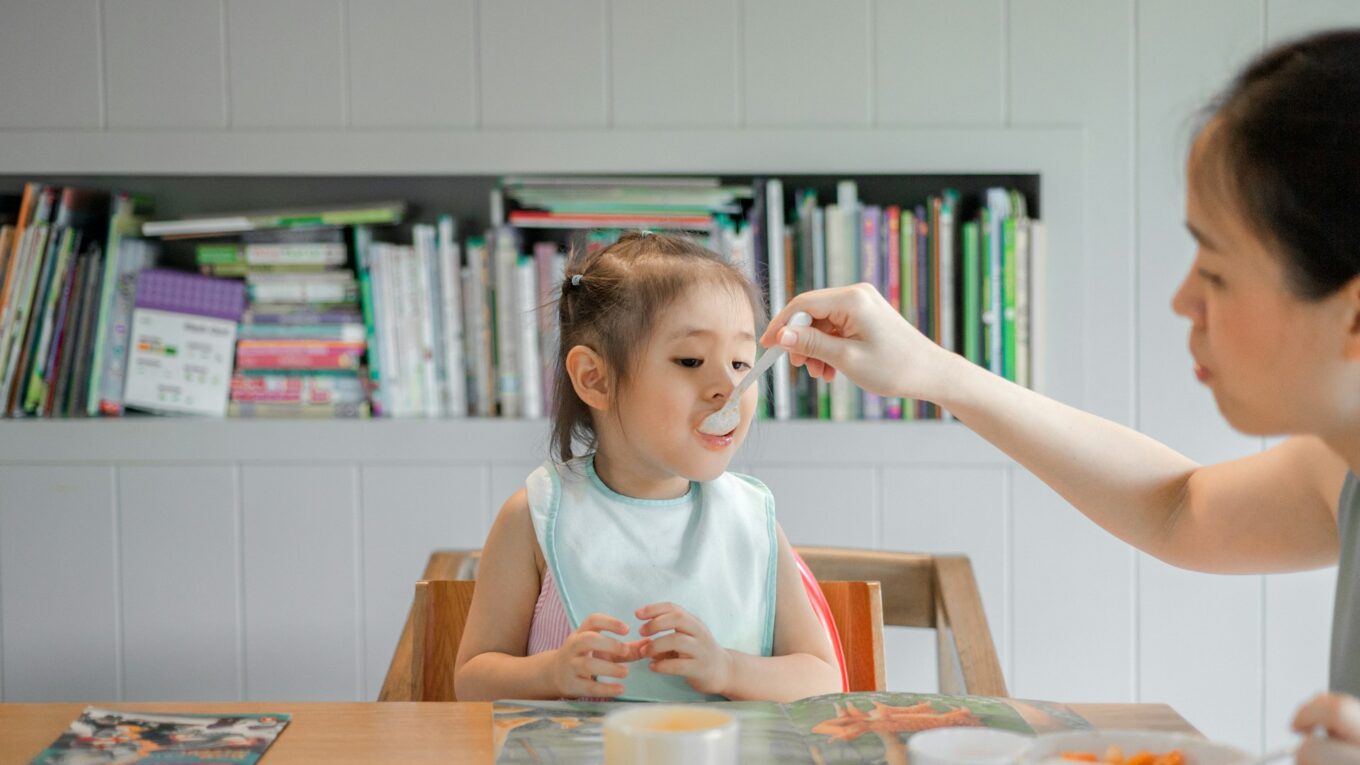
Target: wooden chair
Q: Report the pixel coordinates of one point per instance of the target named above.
(936, 592)
(441, 609)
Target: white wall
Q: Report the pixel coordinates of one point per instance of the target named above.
(94, 607)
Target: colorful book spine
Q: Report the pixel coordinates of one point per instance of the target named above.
(123, 221)
(1008, 299)
(972, 298)
(451, 313)
(892, 238)
(114, 338)
(907, 246)
(298, 355)
(363, 240)
(870, 217)
(777, 274)
(297, 389)
(504, 314)
(530, 369)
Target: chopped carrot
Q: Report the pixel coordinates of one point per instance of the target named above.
(1079, 756)
(1141, 758)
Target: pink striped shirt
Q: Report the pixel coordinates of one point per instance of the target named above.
(550, 626)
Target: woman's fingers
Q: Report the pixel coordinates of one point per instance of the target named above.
(1327, 751)
(819, 304)
(1335, 713)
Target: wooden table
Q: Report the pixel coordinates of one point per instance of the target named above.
(411, 733)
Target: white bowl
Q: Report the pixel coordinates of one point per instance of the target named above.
(966, 746)
(1049, 748)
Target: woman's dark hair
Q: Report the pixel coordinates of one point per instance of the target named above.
(610, 302)
(1283, 141)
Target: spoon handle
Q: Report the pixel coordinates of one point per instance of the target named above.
(768, 358)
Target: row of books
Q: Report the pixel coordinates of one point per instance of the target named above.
(301, 342)
(969, 283)
(341, 315)
(66, 271)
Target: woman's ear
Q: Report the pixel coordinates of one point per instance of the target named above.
(1350, 297)
(589, 376)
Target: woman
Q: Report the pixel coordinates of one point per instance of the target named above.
(1273, 299)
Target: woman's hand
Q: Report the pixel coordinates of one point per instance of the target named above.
(587, 654)
(689, 652)
(857, 333)
(1338, 716)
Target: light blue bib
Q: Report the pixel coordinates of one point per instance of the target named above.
(712, 552)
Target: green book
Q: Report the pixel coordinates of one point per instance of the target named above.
(988, 316)
(219, 254)
(972, 299)
(123, 221)
(1008, 298)
(910, 288)
(36, 389)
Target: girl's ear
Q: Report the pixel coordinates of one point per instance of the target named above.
(589, 376)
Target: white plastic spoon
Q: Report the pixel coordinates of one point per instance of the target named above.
(725, 420)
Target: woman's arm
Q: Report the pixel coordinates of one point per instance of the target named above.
(804, 663)
(1273, 511)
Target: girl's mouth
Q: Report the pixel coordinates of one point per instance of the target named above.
(717, 443)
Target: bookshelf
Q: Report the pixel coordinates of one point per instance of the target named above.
(187, 173)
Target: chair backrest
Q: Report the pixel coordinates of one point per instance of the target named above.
(934, 591)
(931, 591)
(441, 609)
(858, 610)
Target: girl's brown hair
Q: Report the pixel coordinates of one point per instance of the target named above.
(610, 302)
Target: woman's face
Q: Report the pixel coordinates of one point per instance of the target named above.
(1275, 362)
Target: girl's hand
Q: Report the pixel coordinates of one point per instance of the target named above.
(857, 333)
(689, 652)
(586, 654)
(1338, 715)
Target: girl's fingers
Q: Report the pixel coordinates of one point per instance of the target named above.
(589, 687)
(673, 620)
(656, 609)
(593, 641)
(676, 643)
(684, 667)
(603, 623)
(589, 666)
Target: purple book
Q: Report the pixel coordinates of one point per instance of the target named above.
(182, 292)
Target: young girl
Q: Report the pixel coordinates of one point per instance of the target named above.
(640, 533)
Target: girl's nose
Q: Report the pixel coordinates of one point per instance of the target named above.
(722, 384)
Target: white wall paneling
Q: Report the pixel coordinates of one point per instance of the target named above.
(163, 64)
(286, 64)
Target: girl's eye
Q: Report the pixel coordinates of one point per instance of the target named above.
(740, 365)
(690, 363)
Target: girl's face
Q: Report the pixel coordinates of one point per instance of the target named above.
(1275, 363)
(702, 346)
